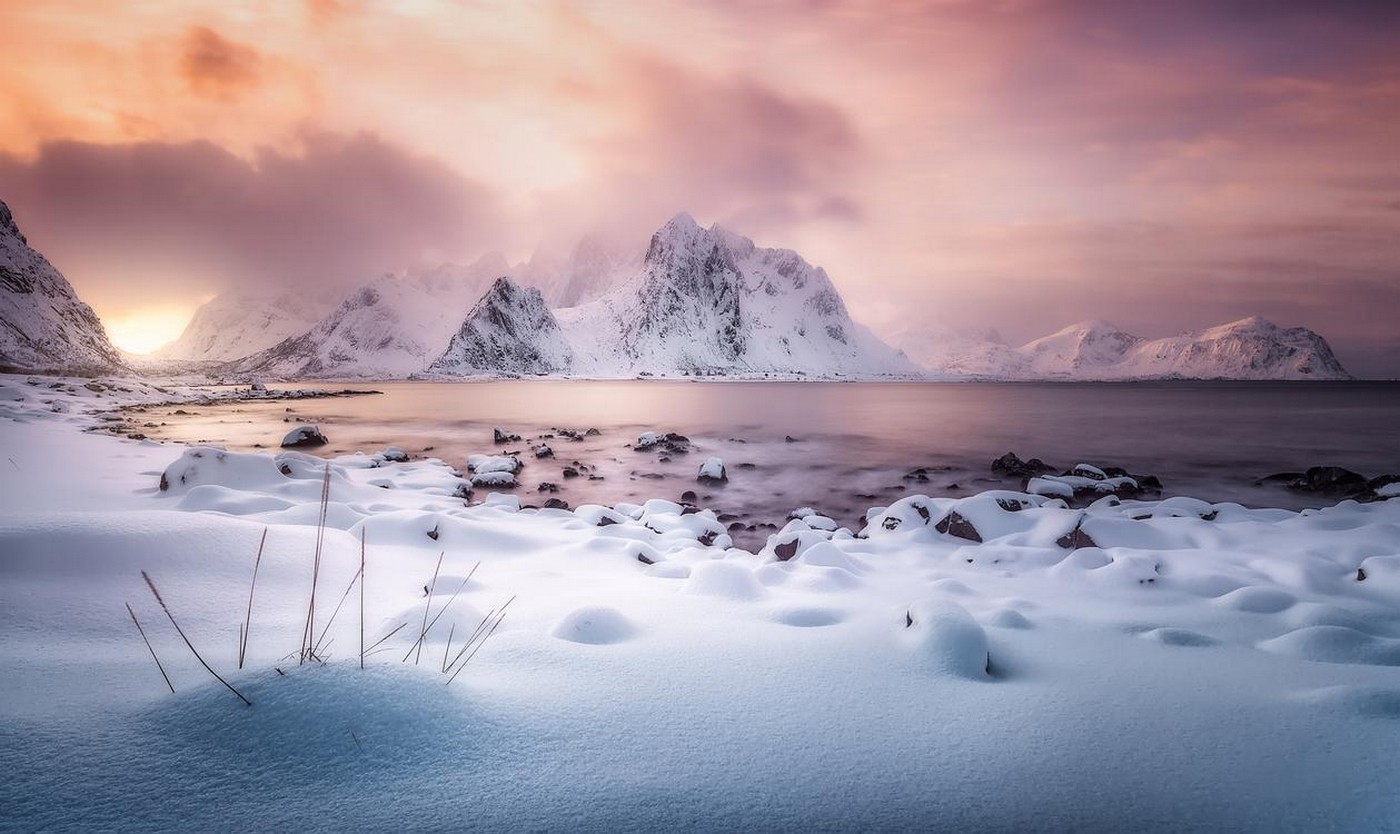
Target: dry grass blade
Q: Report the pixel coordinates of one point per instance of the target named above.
(380, 641)
(307, 647)
(479, 644)
(362, 597)
(193, 650)
(447, 650)
(480, 627)
(443, 610)
(149, 647)
(248, 617)
(343, 597)
(427, 606)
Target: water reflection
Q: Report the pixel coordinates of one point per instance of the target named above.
(853, 441)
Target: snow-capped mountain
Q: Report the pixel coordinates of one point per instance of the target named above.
(510, 330)
(233, 325)
(709, 301)
(1087, 349)
(594, 270)
(952, 352)
(1250, 348)
(44, 326)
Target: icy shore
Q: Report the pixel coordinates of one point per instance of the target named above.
(1152, 665)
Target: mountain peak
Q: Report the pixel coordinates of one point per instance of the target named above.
(8, 224)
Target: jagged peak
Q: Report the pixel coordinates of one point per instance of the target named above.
(8, 224)
(1254, 324)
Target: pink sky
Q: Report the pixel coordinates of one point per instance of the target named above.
(1018, 164)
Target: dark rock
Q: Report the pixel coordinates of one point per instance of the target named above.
(1331, 480)
(433, 533)
(789, 439)
(304, 436)
(592, 433)
(546, 486)
(1360, 574)
(1076, 539)
(689, 495)
(1012, 466)
(785, 550)
(953, 524)
(748, 466)
(1281, 478)
(1149, 483)
(542, 451)
(1010, 505)
(708, 538)
(499, 435)
(556, 504)
(890, 523)
(737, 526)
(570, 472)
(606, 521)
(922, 511)
(644, 559)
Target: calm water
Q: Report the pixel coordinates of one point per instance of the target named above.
(854, 441)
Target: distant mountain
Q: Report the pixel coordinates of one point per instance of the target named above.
(950, 352)
(701, 301)
(234, 325)
(43, 324)
(1250, 348)
(509, 331)
(708, 301)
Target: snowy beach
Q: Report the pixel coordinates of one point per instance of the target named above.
(1153, 665)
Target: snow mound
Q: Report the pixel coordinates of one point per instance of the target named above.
(946, 639)
(595, 626)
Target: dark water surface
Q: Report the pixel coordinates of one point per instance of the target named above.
(855, 441)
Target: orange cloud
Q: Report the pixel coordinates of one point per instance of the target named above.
(216, 67)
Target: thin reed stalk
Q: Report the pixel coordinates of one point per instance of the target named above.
(427, 606)
(193, 650)
(307, 647)
(480, 643)
(362, 597)
(248, 617)
(149, 647)
(442, 611)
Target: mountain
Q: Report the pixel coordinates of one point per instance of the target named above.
(708, 301)
(510, 330)
(1084, 350)
(1249, 349)
(392, 327)
(44, 326)
(234, 325)
(950, 352)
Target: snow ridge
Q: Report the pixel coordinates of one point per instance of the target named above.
(43, 323)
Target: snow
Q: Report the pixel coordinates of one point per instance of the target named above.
(1203, 666)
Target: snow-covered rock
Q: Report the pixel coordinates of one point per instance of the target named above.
(510, 330)
(304, 436)
(43, 323)
(712, 472)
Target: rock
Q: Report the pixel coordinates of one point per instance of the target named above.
(556, 504)
(1076, 539)
(1332, 481)
(789, 439)
(543, 451)
(1084, 470)
(497, 480)
(644, 559)
(712, 472)
(786, 550)
(1012, 466)
(953, 524)
(546, 486)
(670, 443)
(500, 436)
(394, 454)
(304, 436)
(689, 496)
(570, 472)
(592, 433)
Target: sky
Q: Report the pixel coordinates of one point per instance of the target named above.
(968, 164)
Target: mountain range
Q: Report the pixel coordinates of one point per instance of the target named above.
(695, 302)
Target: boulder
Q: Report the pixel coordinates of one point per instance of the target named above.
(712, 472)
(303, 437)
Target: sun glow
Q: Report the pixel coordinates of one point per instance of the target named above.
(143, 331)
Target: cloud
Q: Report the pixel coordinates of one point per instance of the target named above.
(132, 224)
(216, 67)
